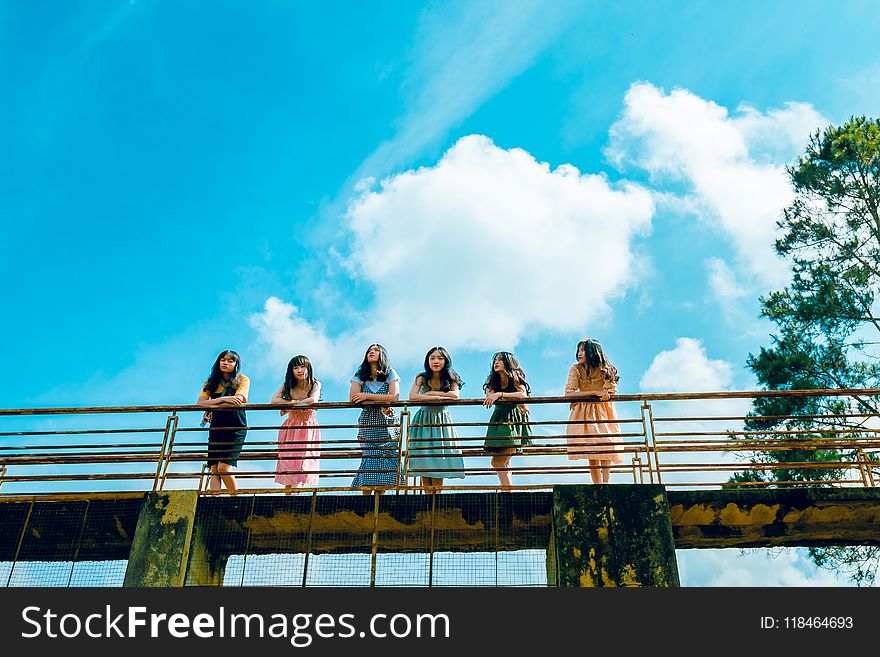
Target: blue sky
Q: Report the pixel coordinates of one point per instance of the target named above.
(283, 177)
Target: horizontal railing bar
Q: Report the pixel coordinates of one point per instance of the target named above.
(81, 477)
(761, 418)
(466, 439)
(757, 484)
(38, 459)
(402, 489)
(269, 427)
(750, 450)
(7, 448)
(783, 432)
(355, 427)
(79, 432)
(801, 465)
(63, 497)
(530, 423)
(676, 396)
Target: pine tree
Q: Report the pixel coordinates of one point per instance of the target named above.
(827, 329)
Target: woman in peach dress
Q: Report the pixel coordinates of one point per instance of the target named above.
(593, 376)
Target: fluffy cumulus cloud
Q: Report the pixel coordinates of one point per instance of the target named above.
(479, 250)
(732, 164)
(285, 333)
(686, 368)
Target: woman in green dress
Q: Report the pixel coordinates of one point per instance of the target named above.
(433, 448)
(508, 427)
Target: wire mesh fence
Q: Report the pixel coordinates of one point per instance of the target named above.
(67, 542)
(467, 539)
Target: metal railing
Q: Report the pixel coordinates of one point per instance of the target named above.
(679, 439)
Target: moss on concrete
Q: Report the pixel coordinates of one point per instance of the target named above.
(617, 535)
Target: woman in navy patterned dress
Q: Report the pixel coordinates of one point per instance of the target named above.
(379, 432)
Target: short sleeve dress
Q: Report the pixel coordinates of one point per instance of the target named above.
(379, 438)
(508, 426)
(433, 449)
(592, 421)
(228, 425)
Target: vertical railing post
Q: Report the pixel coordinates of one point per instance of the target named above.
(864, 468)
(309, 537)
(2, 474)
(174, 419)
(374, 545)
(431, 545)
(82, 529)
(161, 460)
(650, 442)
(496, 533)
(21, 535)
(870, 470)
(861, 466)
(402, 449)
(247, 543)
(638, 471)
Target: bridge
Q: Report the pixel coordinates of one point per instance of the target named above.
(116, 496)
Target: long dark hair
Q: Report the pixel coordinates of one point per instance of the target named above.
(595, 357)
(448, 376)
(290, 380)
(383, 367)
(216, 376)
(514, 372)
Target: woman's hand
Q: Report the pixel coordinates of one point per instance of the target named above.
(358, 397)
(604, 395)
(491, 398)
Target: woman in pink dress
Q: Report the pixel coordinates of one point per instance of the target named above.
(593, 377)
(299, 437)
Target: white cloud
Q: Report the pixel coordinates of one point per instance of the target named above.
(686, 368)
(722, 281)
(733, 567)
(733, 165)
(285, 333)
(735, 299)
(726, 290)
(479, 250)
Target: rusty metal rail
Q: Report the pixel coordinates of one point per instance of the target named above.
(678, 439)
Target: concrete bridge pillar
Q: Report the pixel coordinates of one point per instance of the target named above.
(161, 544)
(611, 535)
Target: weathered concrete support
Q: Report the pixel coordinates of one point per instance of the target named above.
(160, 549)
(204, 567)
(612, 535)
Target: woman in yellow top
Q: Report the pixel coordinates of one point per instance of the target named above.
(593, 376)
(224, 393)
